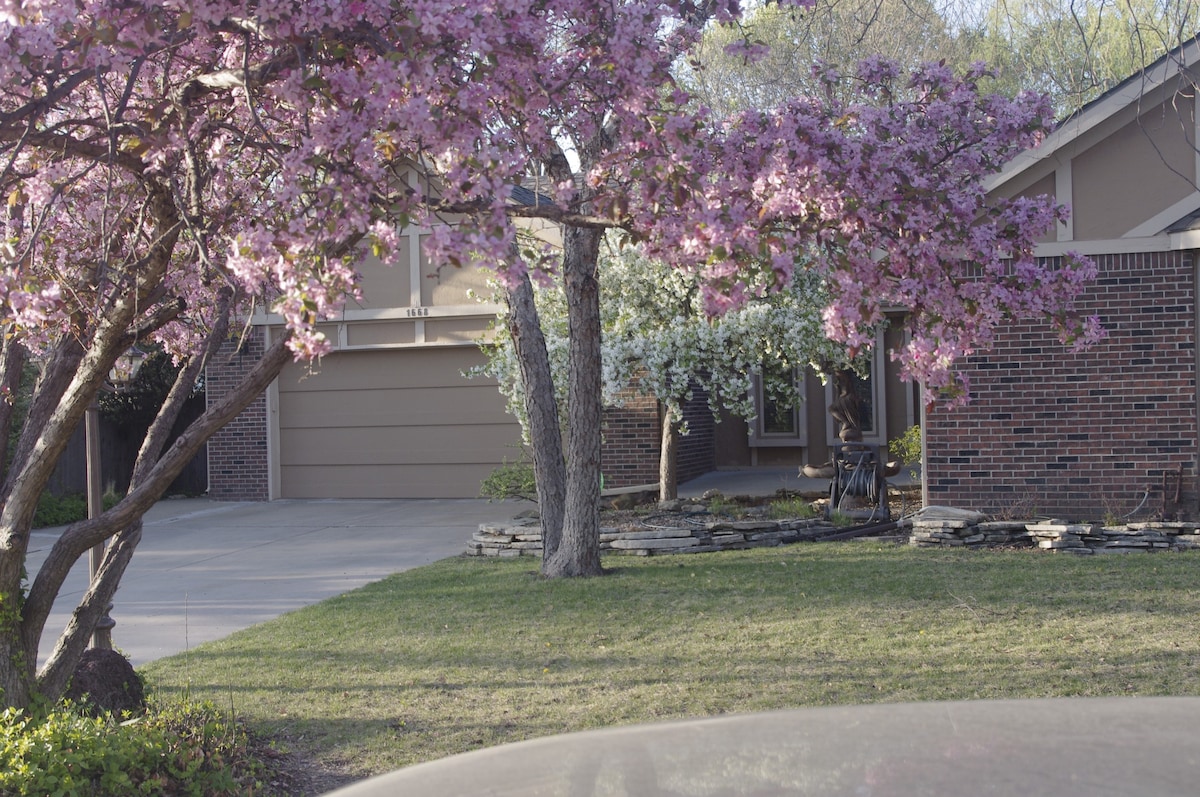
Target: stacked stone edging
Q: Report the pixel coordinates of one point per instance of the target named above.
(932, 527)
(945, 529)
(525, 539)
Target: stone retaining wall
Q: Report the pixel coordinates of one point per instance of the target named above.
(525, 539)
(1055, 535)
(939, 528)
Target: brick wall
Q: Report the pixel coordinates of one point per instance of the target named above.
(632, 442)
(697, 449)
(237, 454)
(629, 455)
(1081, 435)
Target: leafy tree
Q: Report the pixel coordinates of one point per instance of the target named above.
(836, 33)
(657, 340)
(168, 167)
(1073, 50)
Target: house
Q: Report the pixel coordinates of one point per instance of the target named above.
(1102, 433)
(1112, 431)
(388, 414)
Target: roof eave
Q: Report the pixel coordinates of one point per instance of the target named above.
(1101, 109)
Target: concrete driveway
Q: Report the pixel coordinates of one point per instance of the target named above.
(205, 569)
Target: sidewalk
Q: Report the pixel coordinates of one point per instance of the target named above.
(764, 481)
(205, 569)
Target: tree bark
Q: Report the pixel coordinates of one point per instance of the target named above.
(60, 665)
(578, 552)
(541, 409)
(13, 357)
(18, 651)
(668, 456)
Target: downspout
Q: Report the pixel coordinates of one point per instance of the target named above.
(924, 448)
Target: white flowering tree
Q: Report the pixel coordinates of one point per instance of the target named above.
(657, 340)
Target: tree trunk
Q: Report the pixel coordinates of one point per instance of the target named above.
(13, 357)
(668, 455)
(578, 552)
(54, 676)
(545, 433)
(21, 633)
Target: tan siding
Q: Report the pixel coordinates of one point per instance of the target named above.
(381, 333)
(391, 423)
(1141, 169)
(386, 286)
(400, 444)
(456, 330)
(381, 407)
(372, 370)
(447, 284)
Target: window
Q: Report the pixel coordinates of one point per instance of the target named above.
(779, 422)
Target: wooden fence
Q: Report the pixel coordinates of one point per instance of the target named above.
(117, 455)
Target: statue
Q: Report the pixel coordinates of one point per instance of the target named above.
(845, 407)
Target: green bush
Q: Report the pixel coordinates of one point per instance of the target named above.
(183, 749)
(907, 447)
(59, 510)
(510, 480)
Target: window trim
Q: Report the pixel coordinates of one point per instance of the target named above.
(760, 439)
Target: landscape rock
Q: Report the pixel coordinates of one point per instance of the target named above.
(947, 513)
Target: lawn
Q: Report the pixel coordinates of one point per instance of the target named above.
(467, 653)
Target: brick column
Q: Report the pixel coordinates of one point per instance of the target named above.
(237, 454)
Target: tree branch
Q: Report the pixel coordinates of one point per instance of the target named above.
(70, 645)
(80, 536)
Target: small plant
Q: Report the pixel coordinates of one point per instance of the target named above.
(720, 505)
(789, 508)
(510, 480)
(907, 448)
(190, 749)
(1016, 507)
(841, 520)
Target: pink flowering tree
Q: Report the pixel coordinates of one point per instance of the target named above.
(169, 166)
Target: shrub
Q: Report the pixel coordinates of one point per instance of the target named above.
(790, 508)
(907, 447)
(510, 480)
(59, 510)
(186, 749)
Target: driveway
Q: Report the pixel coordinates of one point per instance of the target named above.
(205, 569)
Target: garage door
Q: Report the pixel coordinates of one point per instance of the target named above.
(391, 424)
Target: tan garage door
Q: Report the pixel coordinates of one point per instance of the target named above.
(391, 424)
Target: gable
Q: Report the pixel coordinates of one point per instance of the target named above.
(1142, 169)
(1127, 164)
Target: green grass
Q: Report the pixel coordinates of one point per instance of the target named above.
(789, 508)
(468, 653)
